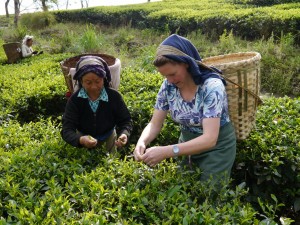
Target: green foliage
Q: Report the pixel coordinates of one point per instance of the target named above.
(37, 87)
(90, 40)
(269, 159)
(185, 16)
(4, 21)
(44, 181)
(227, 42)
(14, 34)
(282, 78)
(38, 20)
(263, 2)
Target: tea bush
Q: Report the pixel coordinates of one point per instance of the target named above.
(45, 181)
(185, 16)
(37, 87)
(269, 159)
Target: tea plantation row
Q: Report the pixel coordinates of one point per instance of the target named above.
(184, 16)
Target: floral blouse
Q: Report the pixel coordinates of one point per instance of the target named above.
(210, 101)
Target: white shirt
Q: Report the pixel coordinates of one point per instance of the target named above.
(26, 51)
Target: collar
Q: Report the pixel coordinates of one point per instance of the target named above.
(103, 95)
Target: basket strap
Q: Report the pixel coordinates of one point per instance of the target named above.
(231, 81)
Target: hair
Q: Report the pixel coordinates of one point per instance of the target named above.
(163, 60)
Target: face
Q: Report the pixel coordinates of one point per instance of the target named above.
(29, 42)
(175, 73)
(92, 83)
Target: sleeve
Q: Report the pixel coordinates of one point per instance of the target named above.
(70, 123)
(214, 97)
(161, 99)
(123, 118)
(26, 51)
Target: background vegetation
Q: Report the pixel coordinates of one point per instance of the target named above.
(45, 181)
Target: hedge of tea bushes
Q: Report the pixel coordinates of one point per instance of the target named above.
(184, 16)
(269, 160)
(33, 87)
(45, 181)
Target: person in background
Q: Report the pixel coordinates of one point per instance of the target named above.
(196, 98)
(96, 113)
(27, 50)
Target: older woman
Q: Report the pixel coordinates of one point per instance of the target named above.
(27, 50)
(95, 112)
(196, 98)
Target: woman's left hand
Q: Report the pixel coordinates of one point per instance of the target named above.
(155, 155)
(121, 141)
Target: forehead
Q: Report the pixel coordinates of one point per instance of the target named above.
(168, 68)
(91, 76)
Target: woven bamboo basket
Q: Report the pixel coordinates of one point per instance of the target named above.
(69, 63)
(242, 74)
(13, 51)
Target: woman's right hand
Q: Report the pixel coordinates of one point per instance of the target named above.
(139, 150)
(88, 141)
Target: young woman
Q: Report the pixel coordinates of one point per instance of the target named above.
(95, 112)
(196, 98)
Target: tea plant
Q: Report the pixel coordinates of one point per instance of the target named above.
(46, 181)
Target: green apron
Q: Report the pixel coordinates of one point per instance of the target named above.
(216, 163)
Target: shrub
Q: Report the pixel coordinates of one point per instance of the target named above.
(37, 85)
(264, 2)
(44, 181)
(269, 160)
(38, 20)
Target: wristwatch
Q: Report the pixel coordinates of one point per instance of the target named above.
(175, 150)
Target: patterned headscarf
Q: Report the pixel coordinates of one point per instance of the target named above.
(181, 49)
(94, 64)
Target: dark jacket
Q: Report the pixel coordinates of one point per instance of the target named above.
(79, 116)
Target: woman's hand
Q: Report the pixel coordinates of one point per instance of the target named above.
(155, 155)
(121, 141)
(139, 151)
(88, 141)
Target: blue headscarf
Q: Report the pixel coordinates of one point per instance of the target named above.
(94, 64)
(181, 49)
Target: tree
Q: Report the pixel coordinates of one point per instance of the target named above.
(17, 11)
(6, 8)
(86, 3)
(45, 4)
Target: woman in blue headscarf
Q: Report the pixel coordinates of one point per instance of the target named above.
(196, 98)
(95, 114)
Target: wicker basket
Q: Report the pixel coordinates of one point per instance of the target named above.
(69, 63)
(242, 73)
(13, 51)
